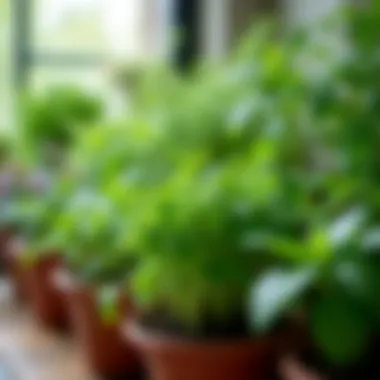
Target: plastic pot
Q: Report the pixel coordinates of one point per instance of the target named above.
(46, 301)
(170, 358)
(107, 353)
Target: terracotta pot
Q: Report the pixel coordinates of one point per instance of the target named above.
(5, 237)
(107, 353)
(176, 359)
(14, 268)
(47, 302)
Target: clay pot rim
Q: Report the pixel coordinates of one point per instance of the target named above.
(153, 339)
(66, 282)
(18, 243)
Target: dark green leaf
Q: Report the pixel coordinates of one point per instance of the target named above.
(340, 329)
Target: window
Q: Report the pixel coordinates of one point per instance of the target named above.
(73, 40)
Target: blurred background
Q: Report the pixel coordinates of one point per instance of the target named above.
(44, 42)
(90, 44)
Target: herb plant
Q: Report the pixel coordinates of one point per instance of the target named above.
(51, 119)
(203, 232)
(337, 287)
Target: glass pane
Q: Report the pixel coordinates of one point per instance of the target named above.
(87, 77)
(102, 26)
(68, 25)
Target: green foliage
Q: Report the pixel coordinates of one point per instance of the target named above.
(5, 148)
(344, 312)
(263, 171)
(92, 228)
(340, 328)
(89, 232)
(52, 119)
(185, 264)
(202, 230)
(19, 187)
(32, 213)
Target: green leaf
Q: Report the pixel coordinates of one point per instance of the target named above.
(288, 248)
(319, 246)
(340, 329)
(275, 292)
(362, 281)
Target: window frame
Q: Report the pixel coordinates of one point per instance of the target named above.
(26, 57)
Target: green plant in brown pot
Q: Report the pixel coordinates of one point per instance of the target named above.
(200, 240)
(241, 160)
(338, 291)
(51, 120)
(35, 255)
(90, 231)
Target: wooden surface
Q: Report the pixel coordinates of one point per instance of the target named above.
(29, 352)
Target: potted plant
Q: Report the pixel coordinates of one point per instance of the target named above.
(337, 288)
(39, 257)
(235, 159)
(52, 119)
(97, 268)
(91, 233)
(10, 245)
(29, 257)
(209, 189)
(198, 234)
(48, 119)
(18, 186)
(198, 243)
(5, 185)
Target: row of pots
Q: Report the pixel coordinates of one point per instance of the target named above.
(57, 301)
